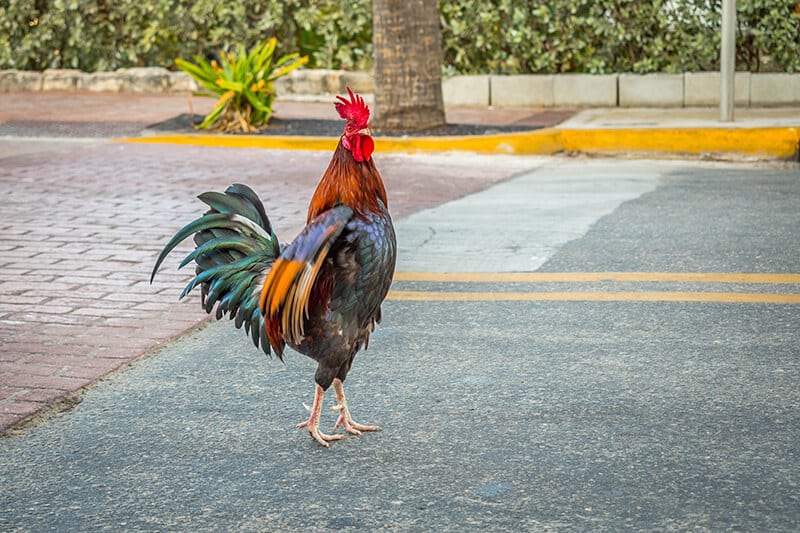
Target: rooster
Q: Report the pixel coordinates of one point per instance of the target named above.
(322, 293)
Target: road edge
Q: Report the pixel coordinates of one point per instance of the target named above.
(782, 143)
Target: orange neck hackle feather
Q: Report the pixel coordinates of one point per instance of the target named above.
(356, 184)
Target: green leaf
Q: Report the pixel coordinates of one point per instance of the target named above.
(256, 102)
(234, 86)
(283, 70)
(216, 112)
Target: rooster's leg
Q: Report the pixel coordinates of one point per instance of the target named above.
(345, 419)
(313, 420)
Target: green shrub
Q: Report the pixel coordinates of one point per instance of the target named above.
(600, 36)
(96, 35)
(243, 82)
(479, 36)
(769, 34)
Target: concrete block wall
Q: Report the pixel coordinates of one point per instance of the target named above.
(650, 90)
(134, 80)
(20, 80)
(523, 91)
(774, 89)
(321, 82)
(642, 90)
(549, 90)
(466, 90)
(559, 90)
(702, 89)
(585, 90)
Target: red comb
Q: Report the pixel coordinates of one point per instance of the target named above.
(354, 109)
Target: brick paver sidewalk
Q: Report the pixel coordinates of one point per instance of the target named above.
(145, 109)
(81, 229)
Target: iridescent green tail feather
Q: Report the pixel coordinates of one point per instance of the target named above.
(236, 248)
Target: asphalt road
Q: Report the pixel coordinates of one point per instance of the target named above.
(525, 405)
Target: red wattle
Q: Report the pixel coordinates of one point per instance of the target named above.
(361, 146)
(367, 146)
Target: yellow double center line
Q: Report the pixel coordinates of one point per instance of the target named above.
(599, 296)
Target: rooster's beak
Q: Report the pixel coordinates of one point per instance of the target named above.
(364, 131)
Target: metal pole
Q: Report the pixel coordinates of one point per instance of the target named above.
(727, 61)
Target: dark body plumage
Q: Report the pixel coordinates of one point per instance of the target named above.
(233, 259)
(322, 293)
(352, 283)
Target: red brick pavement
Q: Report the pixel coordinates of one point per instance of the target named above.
(80, 230)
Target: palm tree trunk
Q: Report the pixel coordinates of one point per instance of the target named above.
(408, 64)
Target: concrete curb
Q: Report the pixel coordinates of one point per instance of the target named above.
(529, 90)
(762, 143)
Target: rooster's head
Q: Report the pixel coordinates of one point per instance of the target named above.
(356, 136)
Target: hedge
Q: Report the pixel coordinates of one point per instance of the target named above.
(94, 35)
(605, 36)
(479, 36)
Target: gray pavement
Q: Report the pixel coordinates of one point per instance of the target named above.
(497, 415)
(560, 200)
(684, 117)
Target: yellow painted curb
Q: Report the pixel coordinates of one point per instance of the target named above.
(537, 142)
(780, 143)
(239, 141)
